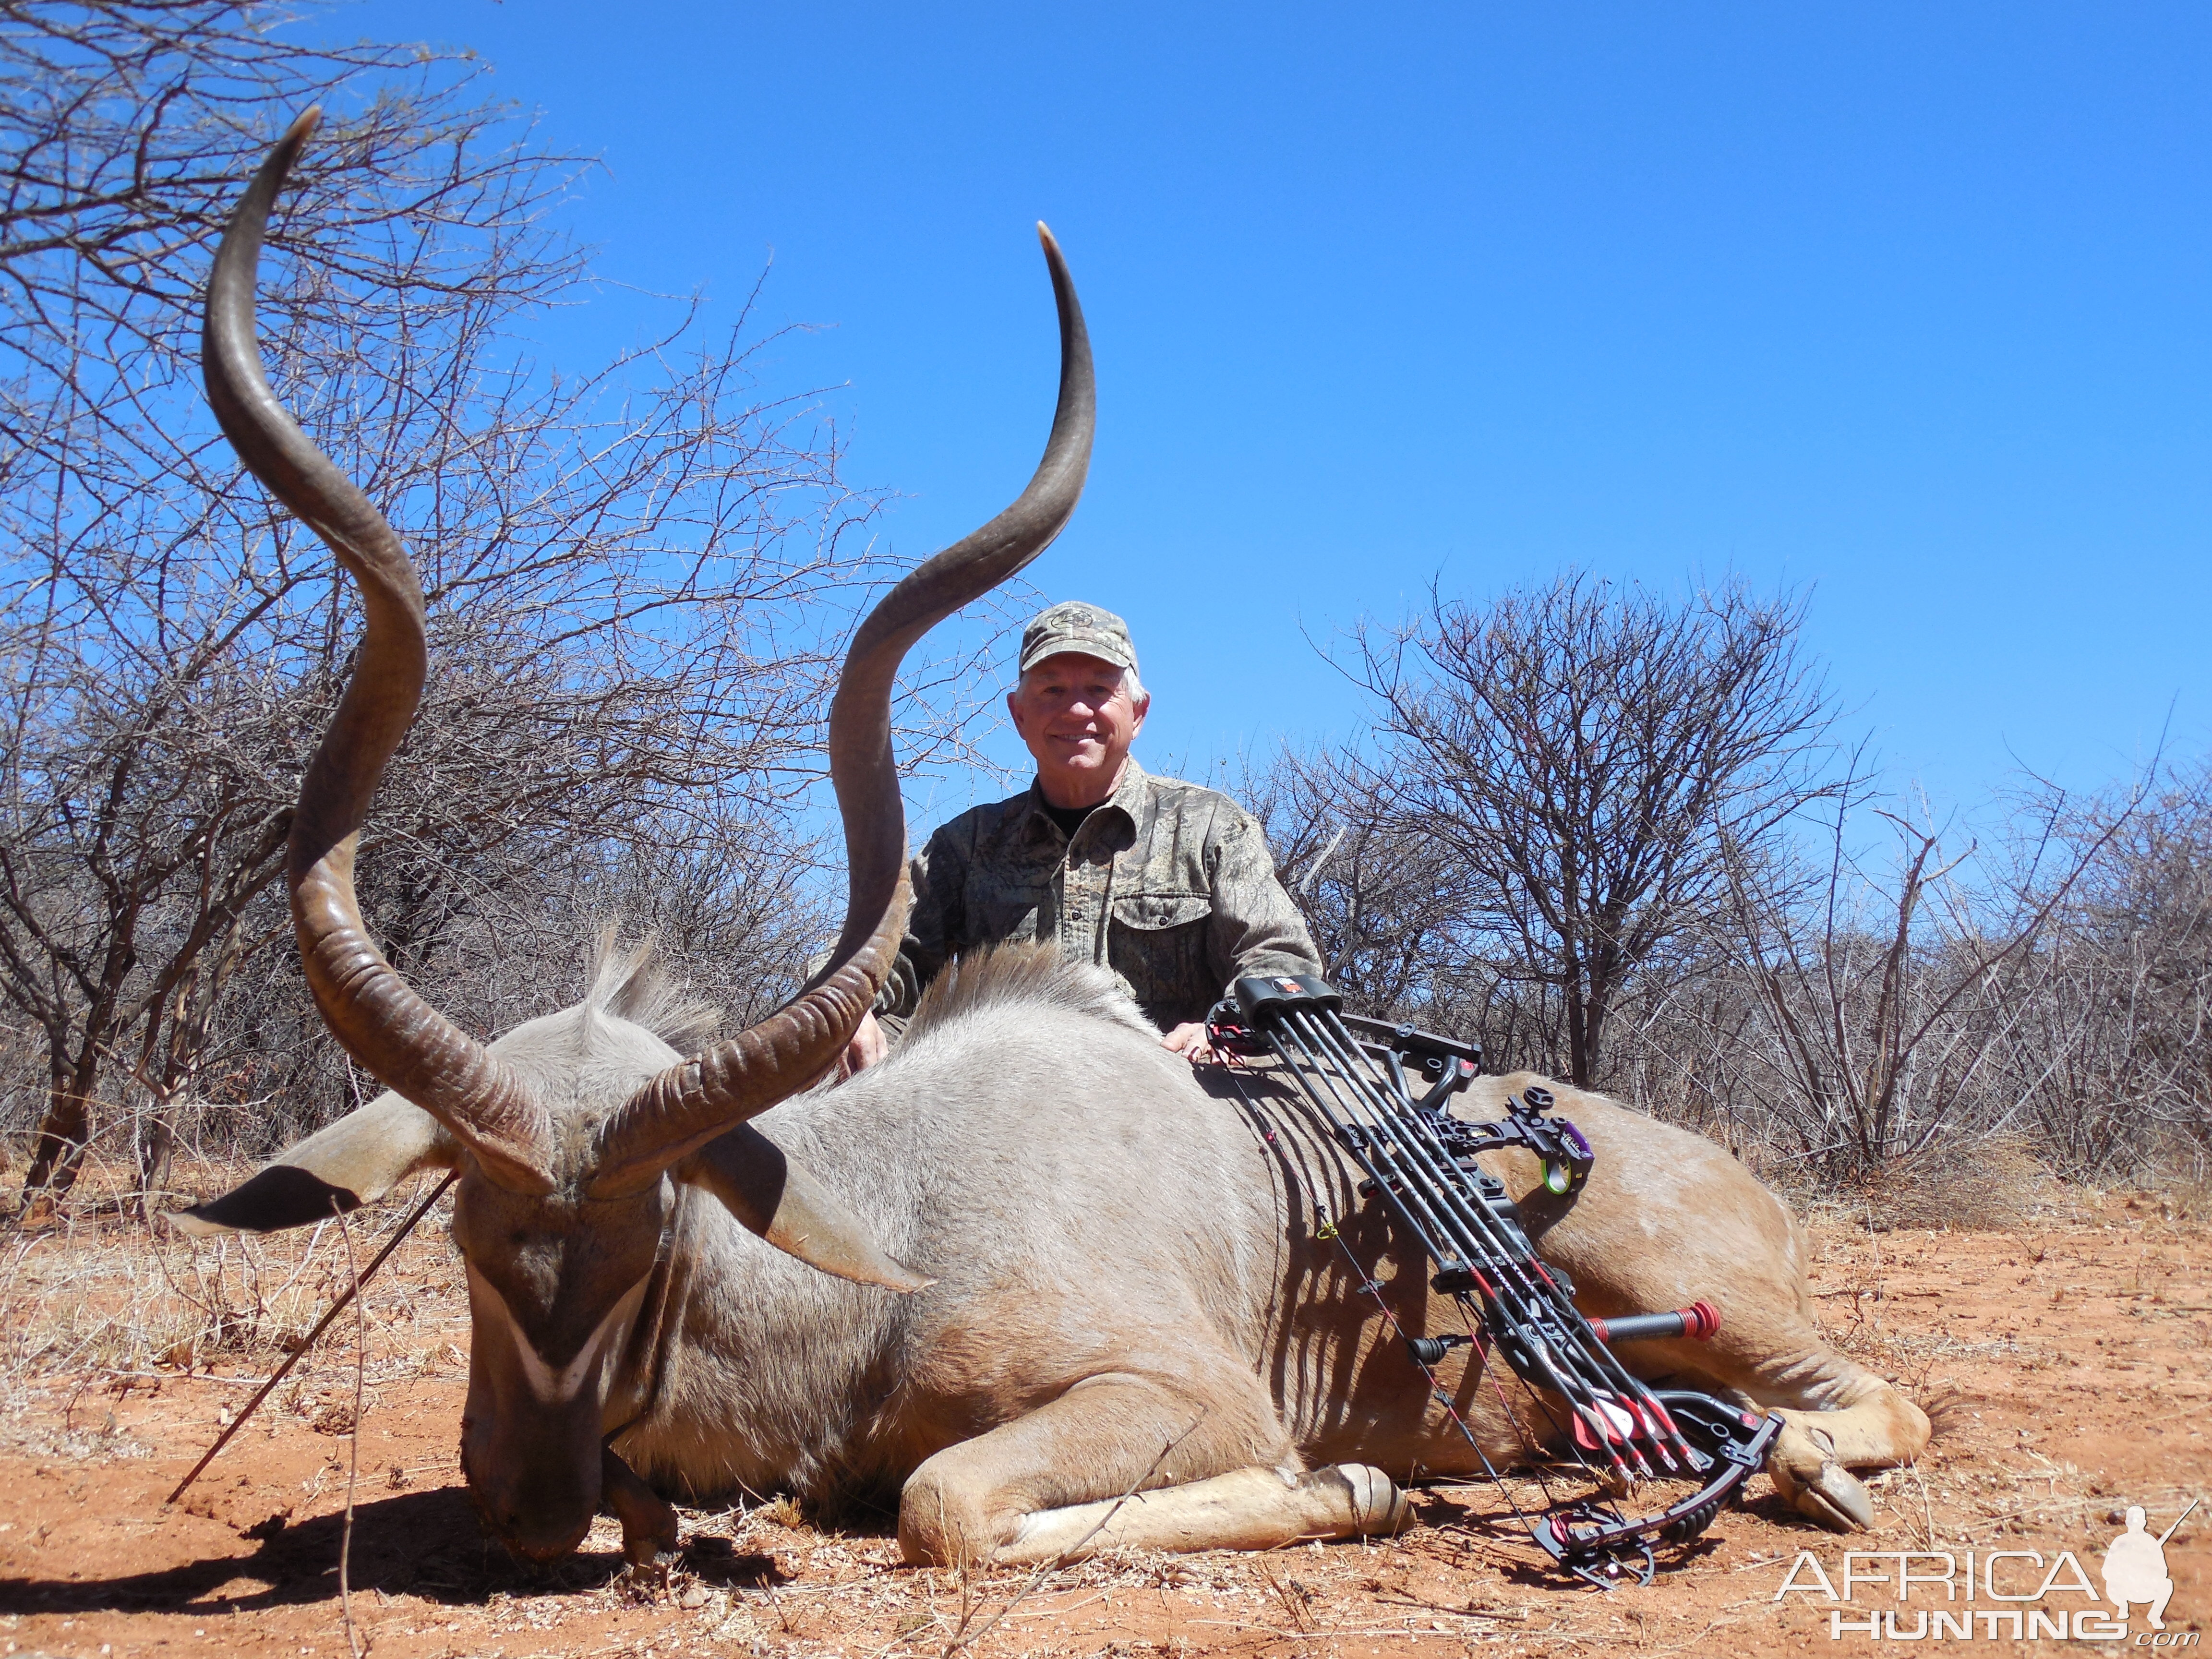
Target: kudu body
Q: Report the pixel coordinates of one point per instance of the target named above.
(1029, 1263)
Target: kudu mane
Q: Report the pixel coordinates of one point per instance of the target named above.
(1027, 975)
(631, 983)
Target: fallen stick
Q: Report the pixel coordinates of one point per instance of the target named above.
(321, 1325)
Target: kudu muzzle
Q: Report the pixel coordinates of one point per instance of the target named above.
(533, 1437)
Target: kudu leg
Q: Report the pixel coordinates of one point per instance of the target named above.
(1038, 1488)
(1813, 1456)
(1838, 1416)
(1248, 1509)
(648, 1520)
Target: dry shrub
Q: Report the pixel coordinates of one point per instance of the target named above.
(87, 1289)
(2189, 1201)
(2177, 1177)
(1981, 1186)
(783, 1512)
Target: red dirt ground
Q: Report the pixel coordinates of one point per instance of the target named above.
(2067, 1363)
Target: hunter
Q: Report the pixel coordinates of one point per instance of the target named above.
(1168, 884)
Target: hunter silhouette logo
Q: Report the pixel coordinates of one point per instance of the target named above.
(2134, 1567)
(2022, 1594)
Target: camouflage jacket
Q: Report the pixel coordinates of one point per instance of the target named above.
(1169, 885)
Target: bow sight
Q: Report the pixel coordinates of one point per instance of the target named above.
(1356, 1077)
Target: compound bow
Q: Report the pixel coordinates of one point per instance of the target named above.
(1353, 1077)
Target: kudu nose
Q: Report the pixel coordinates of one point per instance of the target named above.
(528, 1525)
(528, 1537)
(535, 1502)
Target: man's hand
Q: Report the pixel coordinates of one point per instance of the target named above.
(867, 1047)
(1188, 1039)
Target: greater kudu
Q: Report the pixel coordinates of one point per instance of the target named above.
(1124, 1286)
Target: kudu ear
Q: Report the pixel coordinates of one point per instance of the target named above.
(356, 1161)
(774, 1195)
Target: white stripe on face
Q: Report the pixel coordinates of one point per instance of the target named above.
(553, 1387)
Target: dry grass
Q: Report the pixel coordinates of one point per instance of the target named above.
(1987, 1186)
(1994, 1185)
(2187, 1194)
(93, 1300)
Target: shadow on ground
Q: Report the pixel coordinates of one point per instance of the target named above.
(422, 1543)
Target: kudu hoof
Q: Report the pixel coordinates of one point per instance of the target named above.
(650, 1530)
(1831, 1496)
(1379, 1508)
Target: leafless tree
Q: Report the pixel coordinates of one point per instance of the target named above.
(637, 575)
(1586, 809)
(1876, 1007)
(2109, 1062)
(1389, 909)
(127, 128)
(1857, 1011)
(1584, 751)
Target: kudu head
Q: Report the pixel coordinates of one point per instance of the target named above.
(572, 1132)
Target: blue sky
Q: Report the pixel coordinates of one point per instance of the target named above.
(1907, 303)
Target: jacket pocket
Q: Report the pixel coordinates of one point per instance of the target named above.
(1157, 944)
(1150, 912)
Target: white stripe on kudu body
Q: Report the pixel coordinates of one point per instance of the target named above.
(553, 1387)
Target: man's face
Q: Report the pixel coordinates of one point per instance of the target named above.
(1076, 715)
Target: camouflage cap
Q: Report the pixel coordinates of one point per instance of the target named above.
(1074, 626)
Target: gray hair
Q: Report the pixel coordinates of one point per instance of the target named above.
(1130, 683)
